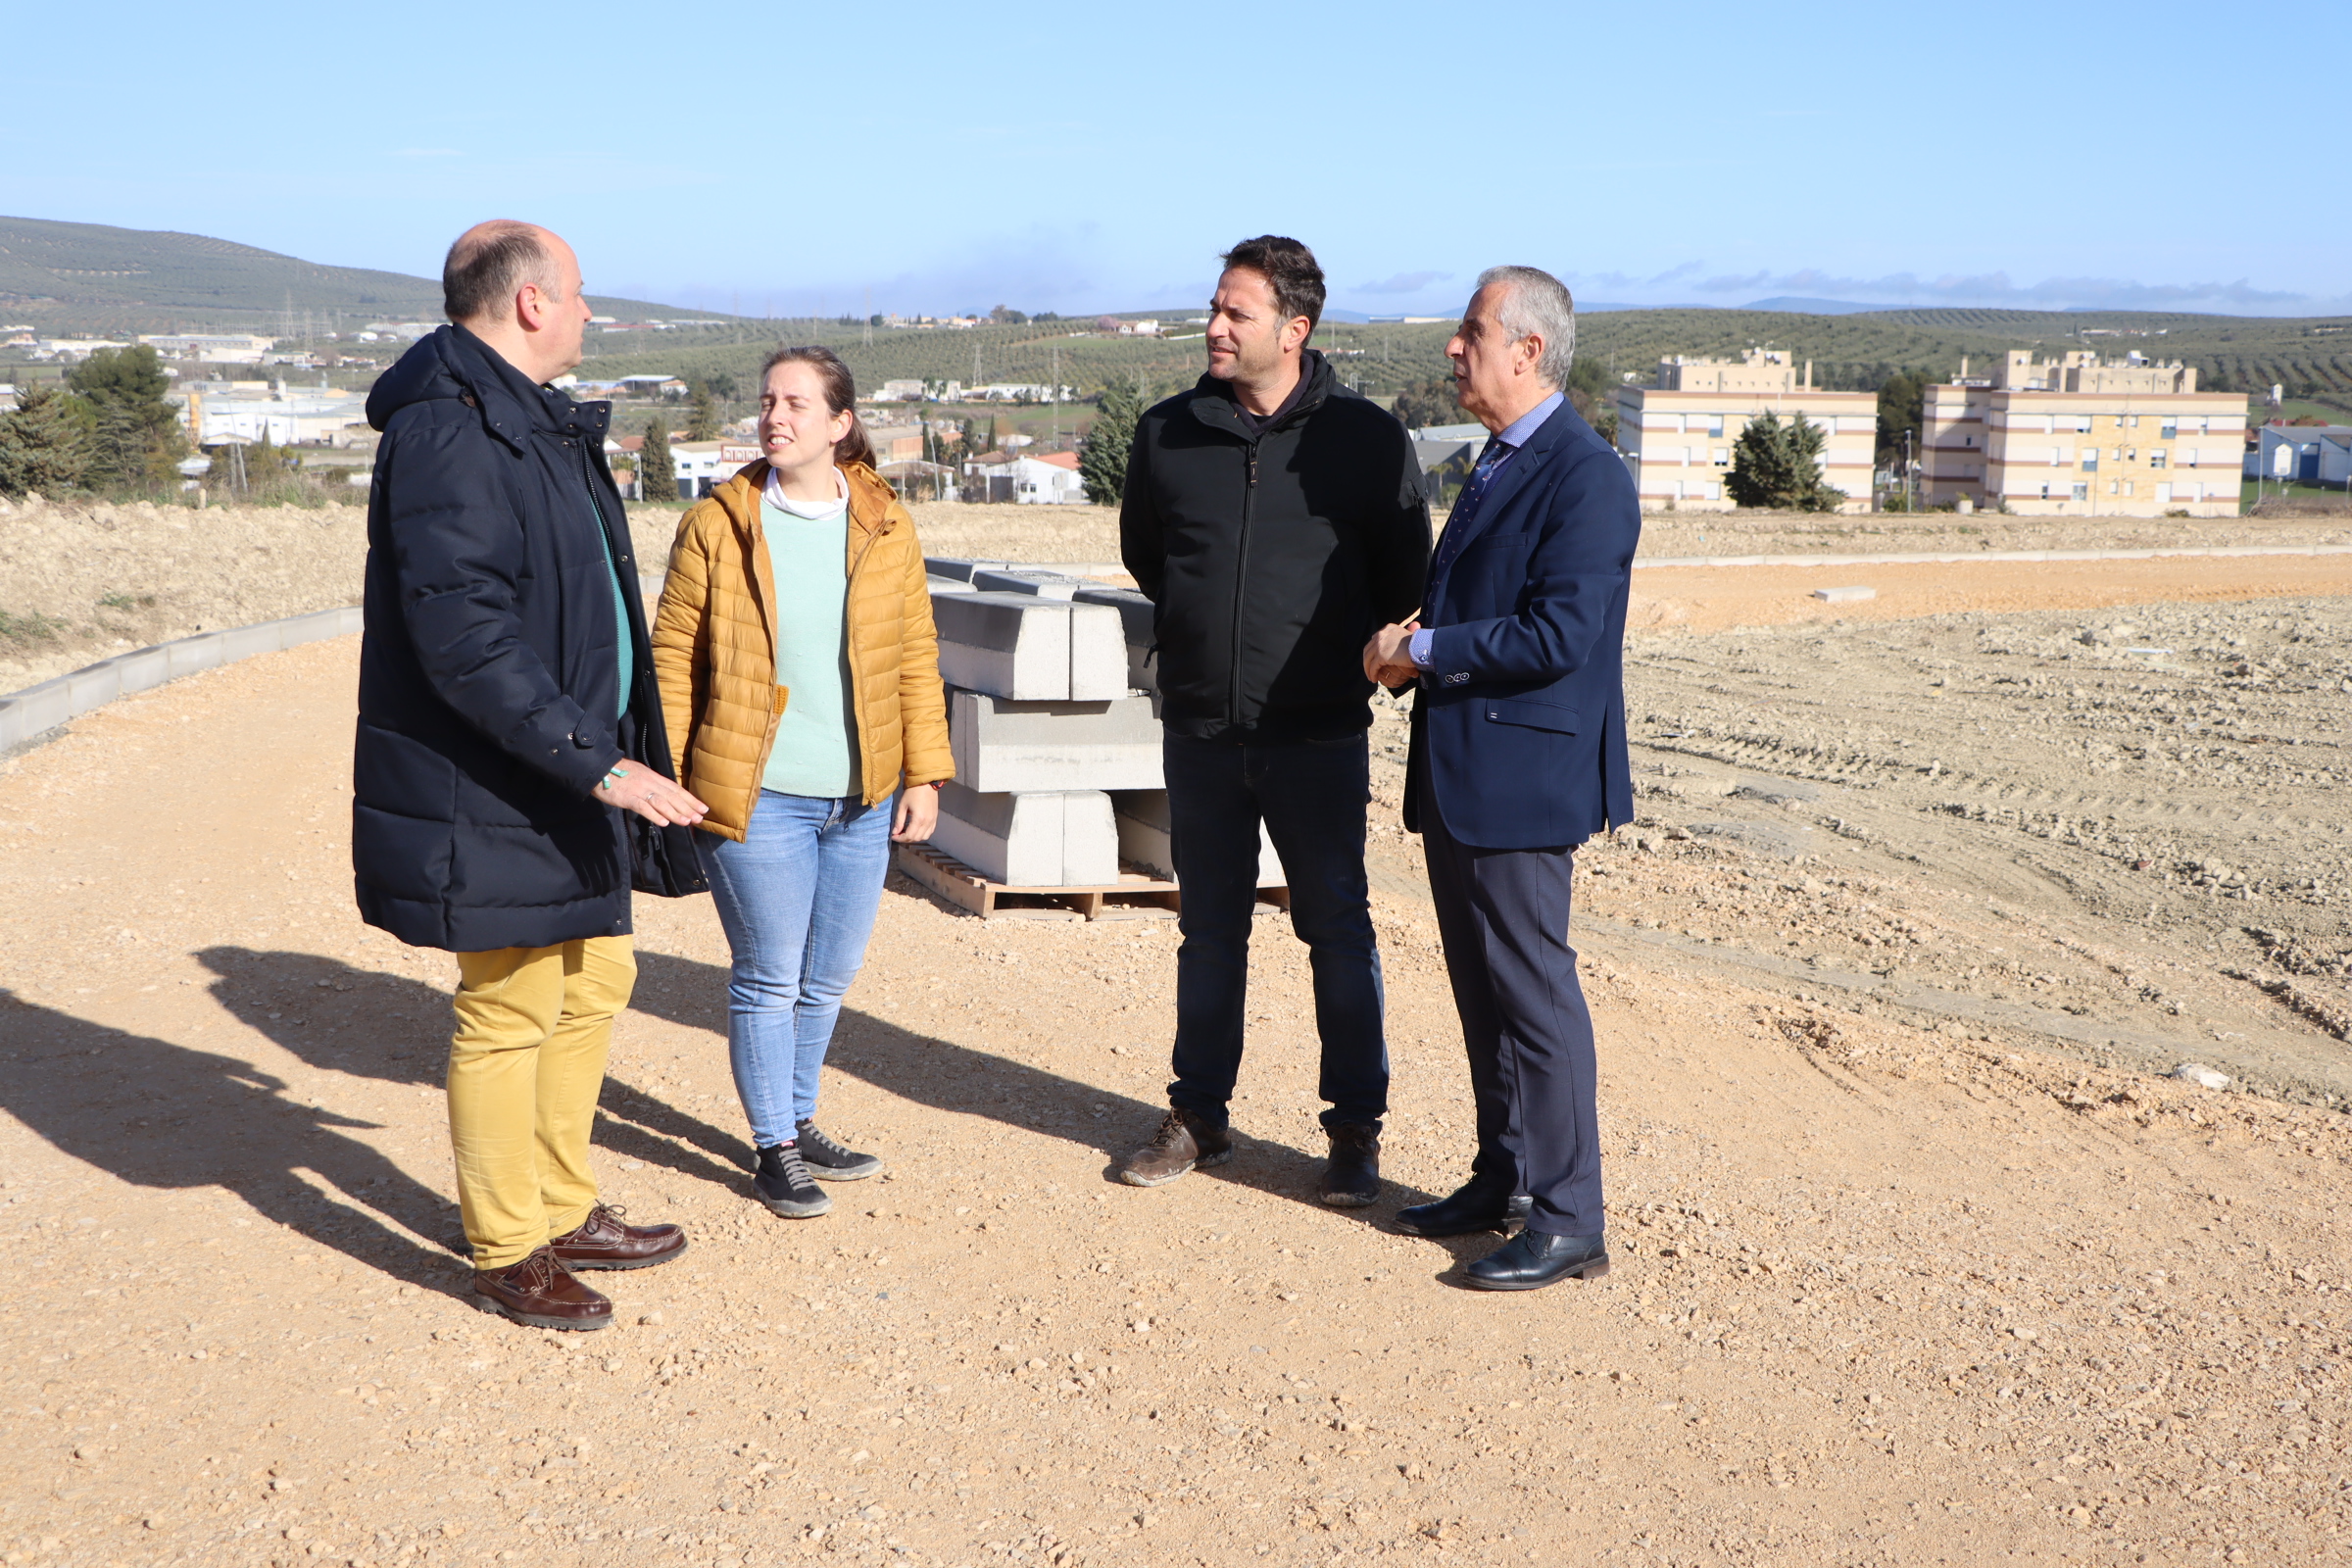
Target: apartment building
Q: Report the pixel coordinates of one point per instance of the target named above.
(2075, 436)
(1677, 434)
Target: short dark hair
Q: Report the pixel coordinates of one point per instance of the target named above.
(1289, 269)
(840, 395)
(488, 262)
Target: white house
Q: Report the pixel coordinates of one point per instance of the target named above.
(2307, 454)
(703, 465)
(1049, 481)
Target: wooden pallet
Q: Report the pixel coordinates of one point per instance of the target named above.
(1136, 895)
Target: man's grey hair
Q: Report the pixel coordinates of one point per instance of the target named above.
(1536, 303)
(491, 261)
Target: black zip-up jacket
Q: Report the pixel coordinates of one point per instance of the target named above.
(490, 700)
(1270, 557)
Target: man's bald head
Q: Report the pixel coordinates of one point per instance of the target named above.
(491, 261)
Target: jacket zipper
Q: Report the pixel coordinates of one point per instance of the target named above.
(1241, 577)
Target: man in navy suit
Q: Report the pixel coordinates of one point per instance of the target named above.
(1518, 756)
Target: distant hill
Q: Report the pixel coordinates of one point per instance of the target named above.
(1798, 304)
(89, 276)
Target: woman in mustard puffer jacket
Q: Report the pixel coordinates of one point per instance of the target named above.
(800, 679)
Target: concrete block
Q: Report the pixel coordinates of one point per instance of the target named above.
(1029, 649)
(1097, 654)
(1134, 626)
(1005, 746)
(1006, 645)
(1142, 816)
(1061, 838)
(958, 568)
(188, 654)
(93, 686)
(34, 711)
(1037, 580)
(243, 642)
(950, 585)
(143, 670)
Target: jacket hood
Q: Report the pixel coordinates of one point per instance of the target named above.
(1214, 404)
(451, 364)
(870, 495)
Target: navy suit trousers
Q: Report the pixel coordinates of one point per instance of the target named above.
(1502, 915)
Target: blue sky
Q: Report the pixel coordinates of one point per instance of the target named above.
(1087, 157)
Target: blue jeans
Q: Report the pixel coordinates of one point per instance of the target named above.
(797, 898)
(1311, 796)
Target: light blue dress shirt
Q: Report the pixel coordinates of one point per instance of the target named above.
(1511, 437)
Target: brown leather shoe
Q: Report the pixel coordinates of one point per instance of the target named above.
(1184, 1141)
(541, 1292)
(604, 1242)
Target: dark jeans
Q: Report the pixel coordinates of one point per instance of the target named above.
(1502, 915)
(1311, 796)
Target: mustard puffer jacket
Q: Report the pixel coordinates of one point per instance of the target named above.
(714, 649)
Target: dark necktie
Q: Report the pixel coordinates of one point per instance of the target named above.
(1466, 506)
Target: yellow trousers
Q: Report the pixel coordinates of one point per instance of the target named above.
(525, 1068)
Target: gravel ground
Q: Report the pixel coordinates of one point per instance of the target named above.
(1922, 1257)
(80, 582)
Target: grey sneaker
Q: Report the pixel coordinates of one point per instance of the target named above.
(1183, 1141)
(783, 1184)
(829, 1161)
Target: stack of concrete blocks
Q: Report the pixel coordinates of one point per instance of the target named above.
(1043, 722)
(1054, 716)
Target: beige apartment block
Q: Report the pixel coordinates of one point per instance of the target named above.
(2074, 437)
(1677, 434)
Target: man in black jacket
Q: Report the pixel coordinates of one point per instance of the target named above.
(508, 722)
(1274, 518)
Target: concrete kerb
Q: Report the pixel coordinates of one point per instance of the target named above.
(37, 713)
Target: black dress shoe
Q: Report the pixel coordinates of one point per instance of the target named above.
(1533, 1259)
(1353, 1178)
(1472, 1209)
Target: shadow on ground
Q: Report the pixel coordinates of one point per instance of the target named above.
(946, 1076)
(160, 1114)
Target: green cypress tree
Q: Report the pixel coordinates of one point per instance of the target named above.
(45, 445)
(1779, 466)
(1103, 453)
(702, 412)
(657, 475)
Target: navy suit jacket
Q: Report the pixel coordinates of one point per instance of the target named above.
(1519, 729)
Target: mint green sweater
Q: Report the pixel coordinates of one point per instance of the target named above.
(815, 753)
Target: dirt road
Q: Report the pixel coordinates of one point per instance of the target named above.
(1919, 1262)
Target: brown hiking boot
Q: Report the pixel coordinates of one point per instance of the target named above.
(1353, 1178)
(1184, 1141)
(541, 1292)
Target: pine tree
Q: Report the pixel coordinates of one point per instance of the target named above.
(1779, 466)
(701, 413)
(657, 475)
(138, 438)
(1102, 455)
(45, 445)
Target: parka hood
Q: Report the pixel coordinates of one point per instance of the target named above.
(451, 364)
